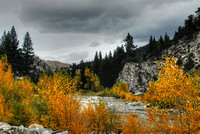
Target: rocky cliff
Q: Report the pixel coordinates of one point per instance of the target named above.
(137, 76)
(186, 48)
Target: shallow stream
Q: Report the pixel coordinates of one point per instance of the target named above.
(120, 106)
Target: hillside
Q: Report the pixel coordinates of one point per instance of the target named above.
(57, 64)
(138, 75)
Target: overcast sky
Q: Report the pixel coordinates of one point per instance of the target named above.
(71, 30)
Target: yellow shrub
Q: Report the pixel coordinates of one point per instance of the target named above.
(63, 104)
(99, 119)
(179, 90)
(15, 97)
(132, 125)
(121, 91)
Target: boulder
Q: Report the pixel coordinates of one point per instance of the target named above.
(35, 126)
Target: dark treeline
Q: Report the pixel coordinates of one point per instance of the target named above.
(108, 67)
(21, 59)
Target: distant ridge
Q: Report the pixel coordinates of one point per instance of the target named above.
(57, 64)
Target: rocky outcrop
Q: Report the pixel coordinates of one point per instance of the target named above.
(185, 48)
(137, 76)
(40, 64)
(32, 129)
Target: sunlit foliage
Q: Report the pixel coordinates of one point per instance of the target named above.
(93, 82)
(121, 90)
(63, 104)
(99, 119)
(180, 91)
(15, 97)
(132, 125)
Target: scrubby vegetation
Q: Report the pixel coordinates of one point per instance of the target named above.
(178, 90)
(54, 102)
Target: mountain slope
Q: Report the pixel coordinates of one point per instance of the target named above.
(138, 75)
(57, 64)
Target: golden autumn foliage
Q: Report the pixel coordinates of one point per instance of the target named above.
(99, 119)
(93, 82)
(63, 103)
(54, 102)
(64, 111)
(180, 91)
(132, 125)
(15, 97)
(121, 90)
(6, 79)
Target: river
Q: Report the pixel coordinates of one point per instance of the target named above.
(118, 105)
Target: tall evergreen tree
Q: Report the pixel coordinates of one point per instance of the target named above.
(167, 41)
(6, 45)
(129, 47)
(15, 52)
(197, 18)
(28, 55)
(161, 42)
(9, 47)
(151, 44)
(100, 56)
(190, 63)
(157, 50)
(2, 42)
(96, 63)
(14, 40)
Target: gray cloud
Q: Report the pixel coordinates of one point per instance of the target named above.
(95, 44)
(78, 16)
(78, 55)
(95, 16)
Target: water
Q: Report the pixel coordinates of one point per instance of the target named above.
(119, 106)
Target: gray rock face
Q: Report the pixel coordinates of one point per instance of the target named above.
(137, 76)
(186, 47)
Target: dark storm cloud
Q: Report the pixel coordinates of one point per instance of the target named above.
(78, 15)
(94, 16)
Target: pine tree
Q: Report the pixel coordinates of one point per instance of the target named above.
(1, 43)
(161, 41)
(189, 64)
(100, 56)
(197, 18)
(151, 44)
(9, 47)
(190, 27)
(96, 64)
(167, 41)
(129, 46)
(28, 55)
(15, 52)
